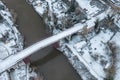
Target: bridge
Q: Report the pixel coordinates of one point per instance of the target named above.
(14, 59)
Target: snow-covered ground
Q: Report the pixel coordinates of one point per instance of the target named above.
(91, 9)
(89, 50)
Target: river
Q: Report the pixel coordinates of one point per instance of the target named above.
(49, 61)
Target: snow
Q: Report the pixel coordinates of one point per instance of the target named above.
(4, 76)
(85, 5)
(4, 52)
(116, 38)
(117, 20)
(100, 40)
(40, 6)
(97, 48)
(7, 16)
(5, 30)
(82, 44)
(84, 61)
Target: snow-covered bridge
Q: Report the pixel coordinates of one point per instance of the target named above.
(12, 60)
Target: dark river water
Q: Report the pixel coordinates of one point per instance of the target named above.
(52, 63)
